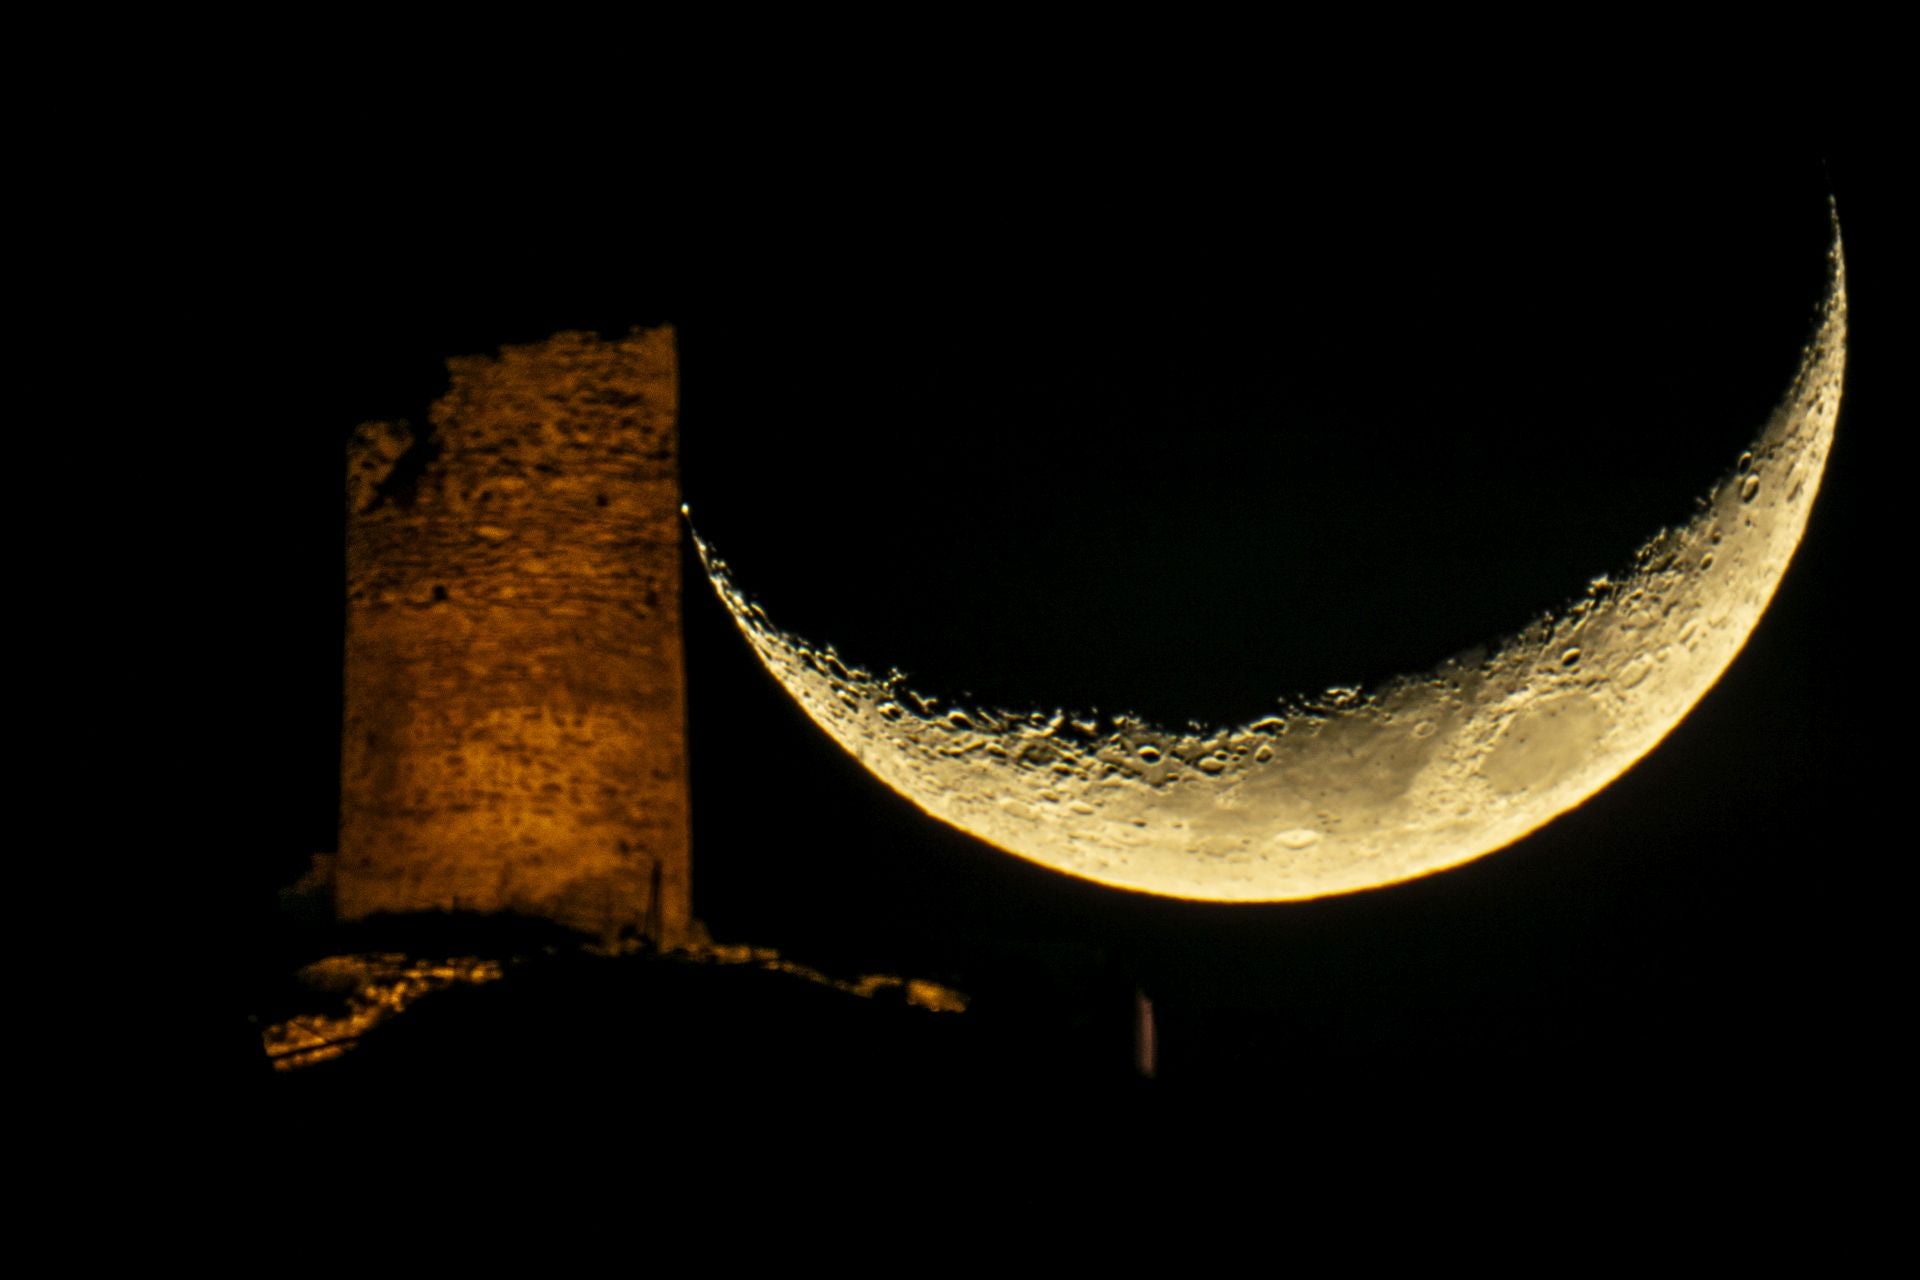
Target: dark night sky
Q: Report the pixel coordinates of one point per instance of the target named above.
(1170, 429)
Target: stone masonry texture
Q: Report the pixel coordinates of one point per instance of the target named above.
(515, 727)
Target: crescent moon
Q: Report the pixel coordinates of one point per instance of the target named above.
(1351, 790)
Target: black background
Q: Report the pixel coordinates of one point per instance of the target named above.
(1142, 421)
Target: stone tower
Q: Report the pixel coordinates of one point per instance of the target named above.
(515, 729)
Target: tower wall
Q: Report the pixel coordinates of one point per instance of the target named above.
(515, 728)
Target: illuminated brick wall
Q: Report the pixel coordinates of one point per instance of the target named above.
(515, 733)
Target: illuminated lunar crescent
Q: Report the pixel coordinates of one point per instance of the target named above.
(1351, 790)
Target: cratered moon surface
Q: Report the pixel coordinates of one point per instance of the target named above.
(1353, 789)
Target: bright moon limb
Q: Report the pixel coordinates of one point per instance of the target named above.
(1349, 791)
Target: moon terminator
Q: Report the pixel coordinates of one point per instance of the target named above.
(1350, 790)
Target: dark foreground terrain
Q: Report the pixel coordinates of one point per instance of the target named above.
(732, 1082)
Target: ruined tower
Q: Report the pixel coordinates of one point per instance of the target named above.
(515, 728)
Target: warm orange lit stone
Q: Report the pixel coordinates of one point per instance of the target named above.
(515, 730)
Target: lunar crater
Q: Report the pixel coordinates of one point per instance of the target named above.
(1358, 786)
